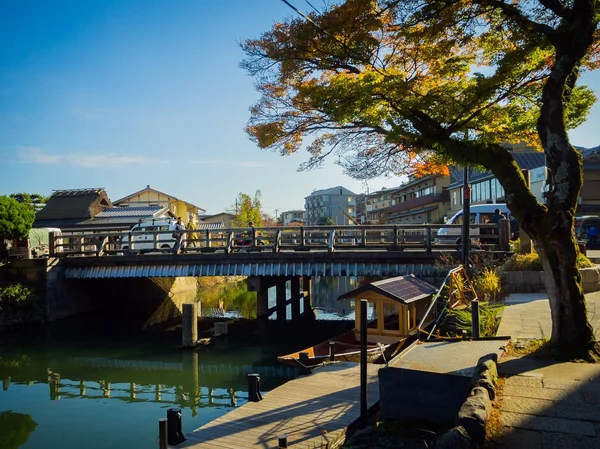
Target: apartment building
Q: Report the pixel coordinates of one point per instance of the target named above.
(336, 203)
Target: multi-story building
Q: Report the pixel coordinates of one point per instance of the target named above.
(336, 203)
(421, 200)
(377, 204)
(485, 188)
(292, 215)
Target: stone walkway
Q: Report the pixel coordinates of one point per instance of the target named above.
(546, 404)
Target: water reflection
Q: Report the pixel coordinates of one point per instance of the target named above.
(15, 429)
(103, 396)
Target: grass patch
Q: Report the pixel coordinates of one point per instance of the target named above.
(458, 320)
(538, 348)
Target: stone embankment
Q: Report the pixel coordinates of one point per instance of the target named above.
(471, 421)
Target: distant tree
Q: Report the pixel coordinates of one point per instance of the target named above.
(16, 218)
(326, 221)
(35, 200)
(268, 220)
(248, 210)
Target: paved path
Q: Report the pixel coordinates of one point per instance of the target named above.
(545, 404)
(527, 315)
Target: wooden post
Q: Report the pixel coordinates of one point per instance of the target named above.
(162, 433)
(174, 427)
(296, 297)
(475, 318)
(282, 442)
(52, 244)
(189, 326)
(254, 387)
(504, 235)
(363, 363)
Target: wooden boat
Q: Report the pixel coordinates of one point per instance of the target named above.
(346, 348)
(395, 306)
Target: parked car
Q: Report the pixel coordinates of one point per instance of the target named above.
(480, 213)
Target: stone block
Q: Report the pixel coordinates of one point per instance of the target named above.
(517, 404)
(512, 437)
(551, 440)
(407, 394)
(547, 424)
(587, 412)
(542, 393)
(456, 438)
(474, 413)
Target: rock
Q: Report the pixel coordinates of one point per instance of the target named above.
(457, 438)
(474, 413)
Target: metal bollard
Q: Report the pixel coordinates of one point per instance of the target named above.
(464, 334)
(282, 442)
(303, 358)
(475, 318)
(163, 430)
(332, 351)
(254, 387)
(174, 432)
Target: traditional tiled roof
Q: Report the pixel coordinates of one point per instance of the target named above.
(404, 289)
(209, 226)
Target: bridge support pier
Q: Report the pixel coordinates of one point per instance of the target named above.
(296, 298)
(307, 289)
(189, 326)
(281, 299)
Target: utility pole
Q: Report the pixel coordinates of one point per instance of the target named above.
(465, 238)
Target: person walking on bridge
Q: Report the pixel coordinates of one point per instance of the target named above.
(179, 234)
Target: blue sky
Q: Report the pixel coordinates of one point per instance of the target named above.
(122, 94)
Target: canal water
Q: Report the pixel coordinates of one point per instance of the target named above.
(103, 380)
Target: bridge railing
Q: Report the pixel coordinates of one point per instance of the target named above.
(401, 237)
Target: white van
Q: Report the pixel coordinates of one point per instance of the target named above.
(480, 214)
(146, 236)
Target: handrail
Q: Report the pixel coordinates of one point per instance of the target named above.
(394, 237)
(449, 276)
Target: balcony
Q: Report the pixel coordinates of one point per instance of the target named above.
(419, 202)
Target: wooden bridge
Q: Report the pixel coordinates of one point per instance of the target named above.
(373, 250)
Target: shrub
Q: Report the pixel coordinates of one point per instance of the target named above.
(487, 284)
(531, 262)
(18, 303)
(515, 245)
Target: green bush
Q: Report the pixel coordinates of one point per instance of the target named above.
(531, 262)
(18, 303)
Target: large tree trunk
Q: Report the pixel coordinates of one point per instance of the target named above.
(572, 334)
